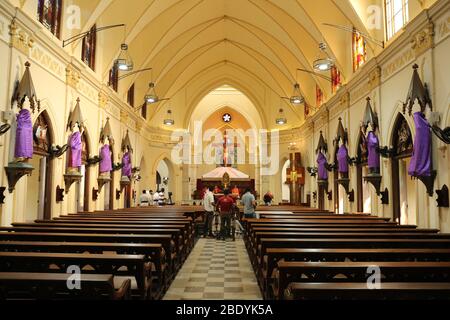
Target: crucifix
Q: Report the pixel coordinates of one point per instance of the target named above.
(225, 150)
(295, 177)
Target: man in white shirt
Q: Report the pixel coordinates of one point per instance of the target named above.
(162, 197)
(208, 205)
(155, 198)
(144, 199)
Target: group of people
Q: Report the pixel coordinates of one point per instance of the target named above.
(226, 207)
(150, 198)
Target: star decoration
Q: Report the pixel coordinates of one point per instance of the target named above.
(226, 117)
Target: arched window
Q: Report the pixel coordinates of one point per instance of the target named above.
(402, 188)
(396, 12)
(88, 49)
(49, 14)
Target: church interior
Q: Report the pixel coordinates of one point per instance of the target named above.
(327, 121)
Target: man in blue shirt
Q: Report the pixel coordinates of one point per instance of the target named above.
(249, 203)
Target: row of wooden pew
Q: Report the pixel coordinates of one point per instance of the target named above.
(327, 256)
(121, 255)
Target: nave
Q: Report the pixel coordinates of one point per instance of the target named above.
(155, 253)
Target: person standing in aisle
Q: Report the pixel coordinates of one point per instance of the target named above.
(225, 207)
(249, 202)
(208, 205)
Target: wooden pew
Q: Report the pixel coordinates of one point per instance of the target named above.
(327, 220)
(136, 266)
(17, 285)
(320, 219)
(186, 239)
(347, 243)
(357, 272)
(165, 240)
(153, 253)
(274, 256)
(359, 291)
(176, 234)
(324, 217)
(188, 226)
(253, 241)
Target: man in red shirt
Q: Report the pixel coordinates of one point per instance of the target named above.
(225, 207)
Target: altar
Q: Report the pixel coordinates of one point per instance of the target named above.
(225, 178)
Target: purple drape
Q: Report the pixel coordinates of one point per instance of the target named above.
(24, 135)
(421, 159)
(105, 163)
(342, 157)
(373, 157)
(321, 169)
(126, 165)
(75, 150)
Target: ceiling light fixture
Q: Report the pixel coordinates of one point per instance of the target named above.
(323, 62)
(124, 62)
(281, 120)
(151, 96)
(296, 97)
(169, 120)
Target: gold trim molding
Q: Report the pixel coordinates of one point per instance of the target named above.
(102, 100)
(72, 77)
(19, 39)
(423, 40)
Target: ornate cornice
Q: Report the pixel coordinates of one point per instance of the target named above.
(102, 100)
(423, 40)
(72, 76)
(124, 117)
(19, 39)
(374, 78)
(139, 126)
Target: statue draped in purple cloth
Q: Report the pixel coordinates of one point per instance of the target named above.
(321, 169)
(342, 157)
(373, 157)
(24, 135)
(126, 165)
(75, 150)
(421, 159)
(105, 163)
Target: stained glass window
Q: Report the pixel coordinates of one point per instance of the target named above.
(88, 49)
(49, 14)
(396, 16)
(114, 77)
(307, 110)
(130, 95)
(319, 96)
(144, 110)
(359, 50)
(335, 79)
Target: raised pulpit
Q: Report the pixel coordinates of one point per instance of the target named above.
(295, 178)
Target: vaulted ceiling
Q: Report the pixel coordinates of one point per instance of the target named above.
(255, 44)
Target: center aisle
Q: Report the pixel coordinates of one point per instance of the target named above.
(216, 270)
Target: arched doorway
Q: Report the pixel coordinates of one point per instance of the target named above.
(39, 185)
(164, 177)
(285, 190)
(403, 188)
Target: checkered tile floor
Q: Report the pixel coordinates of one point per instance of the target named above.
(216, 270)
